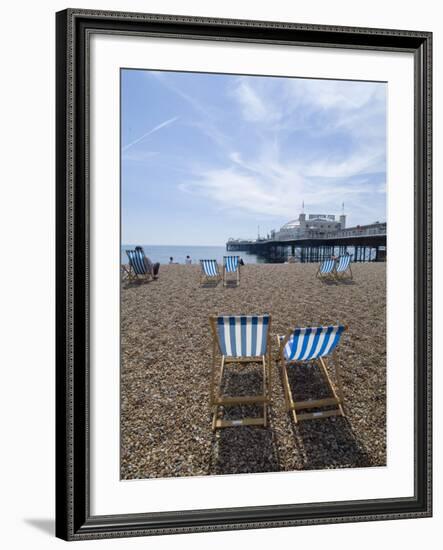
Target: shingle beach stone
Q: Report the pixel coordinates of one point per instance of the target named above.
(166, 350)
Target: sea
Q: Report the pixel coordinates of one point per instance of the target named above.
(162, 254)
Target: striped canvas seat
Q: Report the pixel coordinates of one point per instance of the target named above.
(210, 268)
(326, 269)
(137, 262)
(343, 263)
(231, 263)
(306, 344)
(243, 335)
(327, 266)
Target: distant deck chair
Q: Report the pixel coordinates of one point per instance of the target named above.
(326, 269)
(209, 271)
(240, 339)
(138, 269)
(343, 267)
(312, 345)
(231, 264)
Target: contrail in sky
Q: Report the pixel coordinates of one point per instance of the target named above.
(158, 127)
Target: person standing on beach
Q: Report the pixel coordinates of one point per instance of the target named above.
(171, 260)
(188, 260)
(151, 267)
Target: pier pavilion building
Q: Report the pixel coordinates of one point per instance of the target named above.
(313, 225)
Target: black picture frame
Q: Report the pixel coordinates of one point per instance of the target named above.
(74, 28)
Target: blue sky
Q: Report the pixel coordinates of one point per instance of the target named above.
(206, 157)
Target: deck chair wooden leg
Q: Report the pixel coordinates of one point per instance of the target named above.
(284, 383)
(212, 385)
(217, 391)
(265, 391)
(269, 369)
(265, 376)
(337, 369)
(331, 385)
(212, 399)
(290, 404)
(214, 418)
(288, 394)
(220, 381)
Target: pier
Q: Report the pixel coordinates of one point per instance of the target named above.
(364, 243)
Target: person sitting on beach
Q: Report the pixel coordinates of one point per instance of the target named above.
(188, 260)
(241, 262)
(171, 260)
(151, 267)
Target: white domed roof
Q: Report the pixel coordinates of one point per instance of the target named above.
(293, 224)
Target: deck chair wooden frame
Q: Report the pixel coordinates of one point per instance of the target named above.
(137, 271)
(205, 277)
(343, 273)
(296, 408)
(126, 272)
(217, 400)
(225, 271)
(330, 273)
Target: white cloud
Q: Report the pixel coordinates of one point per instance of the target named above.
(235, 190)
(333, 94)
(253, 173)
(341, 104)
(361, 162)
(277, 193)
(254, 106)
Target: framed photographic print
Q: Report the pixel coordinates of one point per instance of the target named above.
(243, 274)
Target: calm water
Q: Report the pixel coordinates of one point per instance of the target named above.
(159, 253)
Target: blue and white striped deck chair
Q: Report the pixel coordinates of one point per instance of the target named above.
(343, 268)
(326, 269)
(209, 271)
(240, 339)
(138, 269)
(312, 345)
(231, 264)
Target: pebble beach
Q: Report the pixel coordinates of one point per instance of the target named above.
(166, 354)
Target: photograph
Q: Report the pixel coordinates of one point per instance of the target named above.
(253, 257)
(240, 341)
